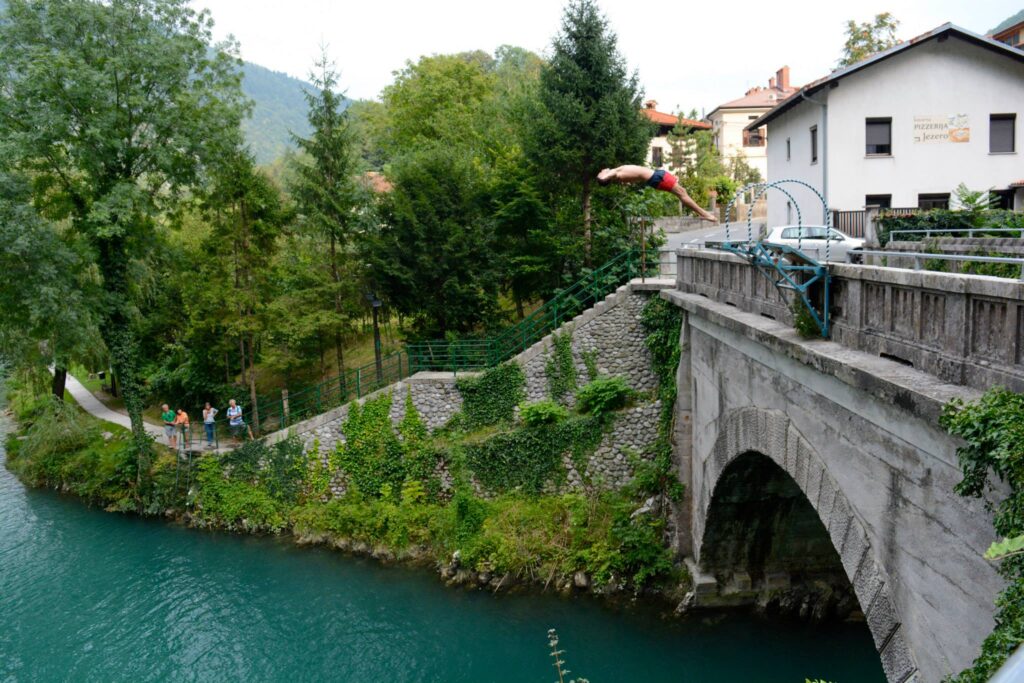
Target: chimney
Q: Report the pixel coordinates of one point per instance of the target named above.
(650, 104)
(771, 83)
(782, 76)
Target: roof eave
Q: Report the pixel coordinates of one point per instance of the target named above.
(833, 78)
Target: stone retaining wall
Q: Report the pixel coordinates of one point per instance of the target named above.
(611, 330)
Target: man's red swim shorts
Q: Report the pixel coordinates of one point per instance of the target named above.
(662, 180)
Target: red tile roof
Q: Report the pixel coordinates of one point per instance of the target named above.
(376, 182)
(663, 119)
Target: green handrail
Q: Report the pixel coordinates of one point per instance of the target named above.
(452, 356)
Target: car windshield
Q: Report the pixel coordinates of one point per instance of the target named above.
(810, 232)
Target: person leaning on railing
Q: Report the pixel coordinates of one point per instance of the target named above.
(209, 417)
(235, 422)
(181, 422)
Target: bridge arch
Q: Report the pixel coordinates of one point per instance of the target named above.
(748, 435)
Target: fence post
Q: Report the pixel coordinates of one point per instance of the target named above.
(359, 382)
(284, 407)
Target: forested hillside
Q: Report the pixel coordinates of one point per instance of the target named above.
(279, 109)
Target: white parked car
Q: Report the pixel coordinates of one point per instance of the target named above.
(811, 240)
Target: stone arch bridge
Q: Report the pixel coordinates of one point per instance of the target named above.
(804, 456)
(810, 460)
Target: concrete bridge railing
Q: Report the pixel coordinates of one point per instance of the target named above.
(963, 329)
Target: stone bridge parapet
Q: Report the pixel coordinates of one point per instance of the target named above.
(963, 329)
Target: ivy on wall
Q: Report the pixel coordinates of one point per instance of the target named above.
(662, 322)
(530, 456)
(492, 396)
(371, 455)
(993, 431)
(560, 367)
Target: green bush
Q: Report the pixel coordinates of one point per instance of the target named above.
(992, 429)
(542, 413)
(225, 501)
(492, 396)
(603, 395)
(940, 221)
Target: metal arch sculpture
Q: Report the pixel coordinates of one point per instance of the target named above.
(788, 268)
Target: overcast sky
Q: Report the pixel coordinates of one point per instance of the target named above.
(688, 54)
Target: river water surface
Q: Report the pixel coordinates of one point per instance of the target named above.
(90, 596)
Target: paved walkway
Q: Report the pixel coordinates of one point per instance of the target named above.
(92, 405)
(95, 407)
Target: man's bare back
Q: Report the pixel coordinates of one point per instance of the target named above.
(660, 180)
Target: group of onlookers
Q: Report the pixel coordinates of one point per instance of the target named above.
(177, 422)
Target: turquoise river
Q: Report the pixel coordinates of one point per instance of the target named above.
(87, 595)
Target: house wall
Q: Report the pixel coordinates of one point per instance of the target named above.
(728, 129)
(947, 78)
(795, 125)
(662, 142)
(936, 78)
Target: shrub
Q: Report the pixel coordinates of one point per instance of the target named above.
(603, 395)
(542, 413)
(492, 396)
(992, 429)
(940, 221)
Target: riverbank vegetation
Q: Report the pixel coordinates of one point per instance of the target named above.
(483, 499)
(993, 431)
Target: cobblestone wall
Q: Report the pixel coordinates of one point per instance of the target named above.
(610, 332)
(609, 466)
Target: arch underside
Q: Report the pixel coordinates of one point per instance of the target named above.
(776, 497)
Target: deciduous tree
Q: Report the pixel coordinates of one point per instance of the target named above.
(113, 108)
(869, 37)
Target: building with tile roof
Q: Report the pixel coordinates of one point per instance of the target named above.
(902, 128)
(729, 121)
(658, 151)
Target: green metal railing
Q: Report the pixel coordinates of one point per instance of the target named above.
(278, 412)
(476, 354)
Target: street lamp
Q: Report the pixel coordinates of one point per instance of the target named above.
(375, 304)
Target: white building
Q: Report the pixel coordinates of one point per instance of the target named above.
(903, 128)
(730, 120)
(659, 150)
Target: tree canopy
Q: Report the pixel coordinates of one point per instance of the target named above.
(869, 37)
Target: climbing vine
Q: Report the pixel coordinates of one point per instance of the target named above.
(530, 456)
(371, 455)
(993, 431)
(492, 396)
(560, 367)
(661, 322)
(590, 363)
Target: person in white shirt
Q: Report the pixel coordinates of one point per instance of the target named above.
(209, 415)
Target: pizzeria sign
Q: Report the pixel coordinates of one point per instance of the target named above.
(942, 128)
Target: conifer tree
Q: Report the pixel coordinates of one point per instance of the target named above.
(587, 115)
(327, 192)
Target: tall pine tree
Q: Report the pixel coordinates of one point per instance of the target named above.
(587, 115)
(327, 192)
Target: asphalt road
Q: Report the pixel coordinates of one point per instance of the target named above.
(712, 233)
